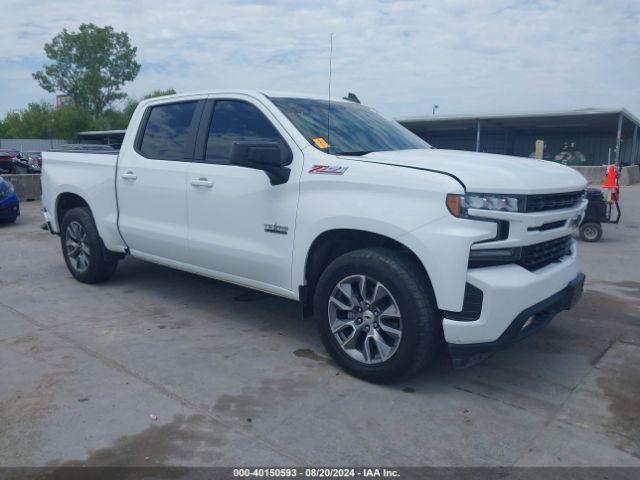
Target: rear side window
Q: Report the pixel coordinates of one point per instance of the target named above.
(232, 121)
(167, 130)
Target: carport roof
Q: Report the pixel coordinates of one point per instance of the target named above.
(102, 132)
(584, 120)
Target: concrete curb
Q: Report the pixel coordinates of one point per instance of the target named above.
(28, 187)
(596, 174)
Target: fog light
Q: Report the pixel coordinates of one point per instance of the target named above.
(493, 256)
(498, 253)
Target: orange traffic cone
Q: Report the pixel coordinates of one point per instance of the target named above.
(611, 181)
(610, 185)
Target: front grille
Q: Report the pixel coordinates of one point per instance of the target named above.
(552, 201)
(531, 257)
(542, 254)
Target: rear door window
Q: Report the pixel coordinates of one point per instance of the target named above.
(167, 131)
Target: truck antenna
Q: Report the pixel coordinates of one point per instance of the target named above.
(329, 108)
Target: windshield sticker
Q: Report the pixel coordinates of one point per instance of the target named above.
(321, 143)
(328, 169)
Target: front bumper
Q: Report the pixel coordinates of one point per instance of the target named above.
(529, 321)
(9, 208)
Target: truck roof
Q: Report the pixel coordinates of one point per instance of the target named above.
(253, 93)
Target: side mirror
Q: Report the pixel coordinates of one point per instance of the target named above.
(271, 157)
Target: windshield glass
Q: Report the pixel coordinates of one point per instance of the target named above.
(353, 128)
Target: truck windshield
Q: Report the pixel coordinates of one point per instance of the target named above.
(353, 128)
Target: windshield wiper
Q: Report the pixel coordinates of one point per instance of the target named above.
(357, 153)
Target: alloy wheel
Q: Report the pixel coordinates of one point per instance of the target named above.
(77, 245)
(365, 319)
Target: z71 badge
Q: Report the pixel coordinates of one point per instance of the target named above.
(328, 169)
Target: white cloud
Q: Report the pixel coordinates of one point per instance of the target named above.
(398, 56)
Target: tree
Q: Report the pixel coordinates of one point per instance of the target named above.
(160, 93)
(42, 120)
(110, 119)
(69, 120)
(131, 105)
(35, 121)
(90, 65)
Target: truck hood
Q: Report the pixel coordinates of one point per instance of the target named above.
(486, 172)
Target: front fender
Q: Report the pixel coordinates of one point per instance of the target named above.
(382, 199)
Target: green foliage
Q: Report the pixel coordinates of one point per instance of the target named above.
(42, 120)
(129, 108)
(159, 93)
(131, 105)
(90, 65)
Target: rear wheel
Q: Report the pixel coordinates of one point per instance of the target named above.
(590, 231)
(85, 255)
(377, 315)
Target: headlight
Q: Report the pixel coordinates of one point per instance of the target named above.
(8, 190)
(459, 204)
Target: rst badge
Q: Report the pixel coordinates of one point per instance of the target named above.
(328, 169)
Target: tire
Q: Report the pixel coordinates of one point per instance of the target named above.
(404, 285)
(590, 231)
(88, 262)
(9, 220)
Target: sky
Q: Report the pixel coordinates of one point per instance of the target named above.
(400, 57)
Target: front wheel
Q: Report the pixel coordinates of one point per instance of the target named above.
(83, 251)
(590, 231)
(377, 315)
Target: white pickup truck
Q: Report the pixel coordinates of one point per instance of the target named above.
(395, 247)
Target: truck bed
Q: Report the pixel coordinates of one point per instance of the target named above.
(90, 175)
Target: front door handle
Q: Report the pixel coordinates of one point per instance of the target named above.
(202, 182)
(129, 175)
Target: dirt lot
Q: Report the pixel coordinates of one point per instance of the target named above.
(163, 367)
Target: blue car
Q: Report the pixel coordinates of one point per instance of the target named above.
(9, 203)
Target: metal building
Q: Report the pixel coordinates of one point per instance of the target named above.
(602, 135)
(27, 144)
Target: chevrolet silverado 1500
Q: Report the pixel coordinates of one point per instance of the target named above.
(396, 248)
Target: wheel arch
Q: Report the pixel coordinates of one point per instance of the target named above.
(65, 201)
(330, 244)
(69, 200)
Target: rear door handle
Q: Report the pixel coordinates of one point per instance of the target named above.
(129, 175)
(202, 182)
